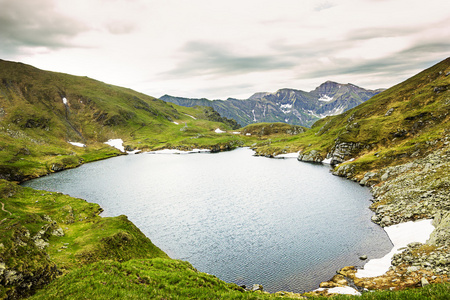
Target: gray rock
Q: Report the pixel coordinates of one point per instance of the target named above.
(257, 287)
(424, 281)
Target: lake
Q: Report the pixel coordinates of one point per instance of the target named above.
(285, 224)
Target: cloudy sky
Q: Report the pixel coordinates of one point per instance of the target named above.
(227, 48)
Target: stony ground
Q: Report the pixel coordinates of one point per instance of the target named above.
(419, 189)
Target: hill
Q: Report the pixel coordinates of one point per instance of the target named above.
(397, 143)
(45, 117)
(290, 106)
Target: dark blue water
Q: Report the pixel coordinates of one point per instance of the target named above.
(281, 223)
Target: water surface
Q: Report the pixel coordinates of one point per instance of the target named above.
(282, 223)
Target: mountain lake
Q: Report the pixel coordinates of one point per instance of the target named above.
(281, 223)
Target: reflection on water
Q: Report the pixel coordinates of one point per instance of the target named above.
(284, 224)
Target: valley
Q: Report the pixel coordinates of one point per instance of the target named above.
(397, 143)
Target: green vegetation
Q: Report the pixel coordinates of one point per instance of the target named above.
(143, 279)
(60, 247)
(390, 128)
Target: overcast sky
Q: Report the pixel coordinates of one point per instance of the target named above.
(227, 48)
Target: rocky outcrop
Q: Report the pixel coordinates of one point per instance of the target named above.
(418, 189)
(343, 151)
(311, 156)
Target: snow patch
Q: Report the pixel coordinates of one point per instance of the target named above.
(176, 123)
(248, 133)
(219, 131)
(116, 143)
(401, 235)
(236, 132)
(77, 144)
(254, 117)
(287, 155)
(325, 98)
(176, 151)
(344, 290)
(286, 108)
(191, 116)
(64, 100)
(326, 161)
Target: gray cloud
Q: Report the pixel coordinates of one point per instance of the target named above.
(31, 23)
(209, 59)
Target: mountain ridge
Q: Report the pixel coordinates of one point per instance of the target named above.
(287, 105)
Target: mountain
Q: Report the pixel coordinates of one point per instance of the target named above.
(398, 144)
(290, 106)
(45, 115)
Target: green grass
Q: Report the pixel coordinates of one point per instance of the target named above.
(431, 292)
(143, 279)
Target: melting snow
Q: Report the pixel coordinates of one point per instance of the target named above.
(401, 235)
(176, 123)
(236, 132)
(254, 117)
(219, 131)
(191, 116)
(286, 108)
(287, 155)
(344, 290)
(116, 143)
(64, 100)
(77, 144)
(327, 161)
(325, 98)
(175, 151)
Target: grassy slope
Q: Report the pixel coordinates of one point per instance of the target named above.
(419, 113)
(35, 124)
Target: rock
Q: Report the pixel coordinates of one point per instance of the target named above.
(424, 281)
(363, 257)
(386, 220)
(257, 287)
(389, 112)
(412, 269)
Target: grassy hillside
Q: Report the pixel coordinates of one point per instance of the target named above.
(41, 112)
(394, 126)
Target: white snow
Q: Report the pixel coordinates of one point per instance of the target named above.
(175, 151)
(236, 132)
(191, 116)
(327, 161)
(287, 155)
(325, 98)
(254, 117)
(344, 290)
(116, 143)
(176, 123)
(64, 100)
(77, 144)
(401, 235)
(286, 108)
(248, 133)
(219, 131)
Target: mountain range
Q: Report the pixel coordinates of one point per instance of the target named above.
(290, 106)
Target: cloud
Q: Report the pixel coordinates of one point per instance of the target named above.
(203, 58)
(31, 23)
